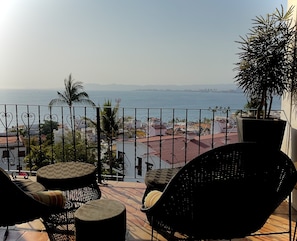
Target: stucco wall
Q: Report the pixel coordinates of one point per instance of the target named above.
(289, 145)
(290, 113)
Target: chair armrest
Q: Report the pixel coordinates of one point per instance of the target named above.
(53, 198)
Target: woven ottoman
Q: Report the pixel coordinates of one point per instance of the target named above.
(102, 219)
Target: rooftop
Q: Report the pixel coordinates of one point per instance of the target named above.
(138, 229)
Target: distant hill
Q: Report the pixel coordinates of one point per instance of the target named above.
(213, 87)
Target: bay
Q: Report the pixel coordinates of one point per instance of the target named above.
(139, 99)
(140, 105)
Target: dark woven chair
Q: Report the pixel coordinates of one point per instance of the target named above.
(19, 205)
(228, 192)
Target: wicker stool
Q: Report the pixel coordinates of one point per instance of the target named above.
(101, 219)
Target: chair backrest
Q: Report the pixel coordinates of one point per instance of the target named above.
(227, 192)
(19, 206)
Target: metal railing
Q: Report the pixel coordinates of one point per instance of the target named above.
(32, 136)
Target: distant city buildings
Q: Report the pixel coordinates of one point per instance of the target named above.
(139, 147)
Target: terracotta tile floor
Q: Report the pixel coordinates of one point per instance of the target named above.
(138, 228)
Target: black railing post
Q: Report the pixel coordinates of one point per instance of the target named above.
(28, 128)
(160, 140)
(6, 131)
(85, 129)
(51, 136)
(199, 132)
(135, 144)
(98, 145)
(186, 137)
(63, 134)
(212, 126)
(74, 133)
(122, 162)
(227, 124)
(173, 149)
(18, 137)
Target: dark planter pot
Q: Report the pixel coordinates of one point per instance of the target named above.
(267, 132)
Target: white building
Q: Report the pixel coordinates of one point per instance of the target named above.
(156, 128)
(169, 152)
(223, 125)
(136, 160)
(12, 152)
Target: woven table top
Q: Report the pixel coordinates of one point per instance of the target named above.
(99, 210)
(66, 175)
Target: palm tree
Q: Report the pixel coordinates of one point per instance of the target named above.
(73, 93)
(109, 126)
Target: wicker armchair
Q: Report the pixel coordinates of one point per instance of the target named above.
(18, 202)
(228, 192)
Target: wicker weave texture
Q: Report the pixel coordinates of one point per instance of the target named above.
(228, 192)
(22, 207)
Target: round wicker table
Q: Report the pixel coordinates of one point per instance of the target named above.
(78, 182)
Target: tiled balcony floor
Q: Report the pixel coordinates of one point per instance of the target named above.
(138, 228)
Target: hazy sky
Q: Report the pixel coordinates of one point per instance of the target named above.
(123, 41)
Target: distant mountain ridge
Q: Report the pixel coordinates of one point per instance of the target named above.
(199, 87)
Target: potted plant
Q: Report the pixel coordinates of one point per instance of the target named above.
(265, 70)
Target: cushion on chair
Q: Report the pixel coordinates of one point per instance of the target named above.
(151, 198)
(27, 185)
(51, 198)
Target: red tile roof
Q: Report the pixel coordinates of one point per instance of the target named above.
(179, 150)
(10, 141)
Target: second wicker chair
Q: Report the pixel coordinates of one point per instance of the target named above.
(228, 192)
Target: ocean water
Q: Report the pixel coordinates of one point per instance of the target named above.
(138, 99)
(28, 107)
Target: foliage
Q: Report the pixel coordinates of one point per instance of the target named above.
(48, 126)
(73, 93)
(39, 155)
(110, 127)
(43, 152)
(64, 150)
(266, 61)
(47, 129)
(109, 120)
